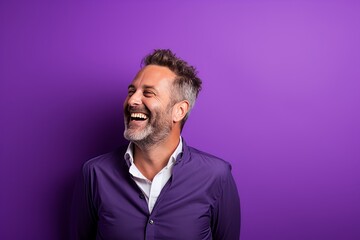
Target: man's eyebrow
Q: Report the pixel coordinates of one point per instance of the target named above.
(148, 86)
(131, 86)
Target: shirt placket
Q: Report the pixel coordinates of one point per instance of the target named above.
(155, 190)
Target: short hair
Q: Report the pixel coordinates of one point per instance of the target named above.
(187, 83)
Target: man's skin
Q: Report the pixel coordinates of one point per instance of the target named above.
(150, 93)
(199, 199)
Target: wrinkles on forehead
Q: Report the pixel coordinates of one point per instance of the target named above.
(154, 83)
(154, 77)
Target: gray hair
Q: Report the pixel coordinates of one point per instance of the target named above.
(187, 84)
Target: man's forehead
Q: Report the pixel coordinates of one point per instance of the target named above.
(153, 75)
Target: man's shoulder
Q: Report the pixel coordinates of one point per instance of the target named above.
(203, 167)
(107, 160)
(208, 161)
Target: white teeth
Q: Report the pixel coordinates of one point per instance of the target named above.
(138, 115)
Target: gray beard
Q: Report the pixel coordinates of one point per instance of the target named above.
(154, 133)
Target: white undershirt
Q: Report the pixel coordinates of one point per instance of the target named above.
(151, 190)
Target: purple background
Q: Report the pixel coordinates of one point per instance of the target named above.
(280, 102)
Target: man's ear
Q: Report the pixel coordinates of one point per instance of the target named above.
(180, 110)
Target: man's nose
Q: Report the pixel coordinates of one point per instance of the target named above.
(135, 99)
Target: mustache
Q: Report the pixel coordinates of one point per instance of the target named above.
(138, 109)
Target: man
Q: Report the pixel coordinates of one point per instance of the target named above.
(157, 187)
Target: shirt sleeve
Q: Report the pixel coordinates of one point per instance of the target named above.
(83, 221)
(225, 223)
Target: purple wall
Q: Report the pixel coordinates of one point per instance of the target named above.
(281, 102)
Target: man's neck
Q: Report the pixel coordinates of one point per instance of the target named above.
(153, 159)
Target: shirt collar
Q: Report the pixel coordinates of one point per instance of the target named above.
(129, 156)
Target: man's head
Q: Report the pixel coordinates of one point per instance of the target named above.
(187, 84)
(160, 98)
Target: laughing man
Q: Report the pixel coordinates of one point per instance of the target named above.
(157, 187)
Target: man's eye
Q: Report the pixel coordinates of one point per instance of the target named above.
(131, 92)
(148, 93)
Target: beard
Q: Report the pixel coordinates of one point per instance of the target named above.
(158, 127)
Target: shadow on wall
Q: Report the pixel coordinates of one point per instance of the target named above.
(52, 129)
(100, 130)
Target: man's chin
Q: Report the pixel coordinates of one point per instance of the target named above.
(135, 136)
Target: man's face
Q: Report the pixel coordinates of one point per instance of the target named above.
(147, 108)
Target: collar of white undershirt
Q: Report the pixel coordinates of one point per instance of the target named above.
(129, 156)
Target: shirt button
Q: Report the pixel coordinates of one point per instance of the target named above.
(151, 221)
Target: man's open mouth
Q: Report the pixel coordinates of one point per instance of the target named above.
(138, 117)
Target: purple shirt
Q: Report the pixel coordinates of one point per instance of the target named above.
(200, 201)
